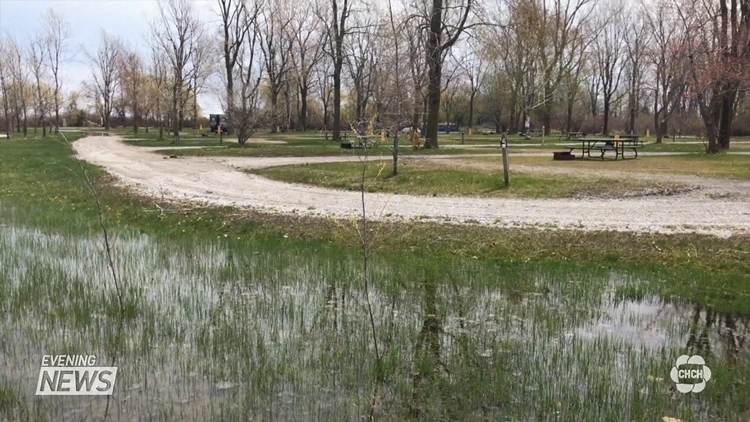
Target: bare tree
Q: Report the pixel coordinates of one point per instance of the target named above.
(104, 69)
(609, 48)
(5, 86)
(416, 37)
(334, 20)
(177, 32)
(513, 50)
(131, 72)
(20, 91)
(158, 86)
(473, 66)
(573, 79)
(36, 62)
(57, 34)
(276, 48)
(561, 40)
(361, 60)
(203, 68)
(307, 41)
(637, 38)
(668, 64)
(233, 15)
(718, 58)
(324, 84)
(443, 34)
(248, 72)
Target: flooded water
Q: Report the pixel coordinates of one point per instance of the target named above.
(221, 330)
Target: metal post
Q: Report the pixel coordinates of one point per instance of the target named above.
(543, 130)
(506, 170)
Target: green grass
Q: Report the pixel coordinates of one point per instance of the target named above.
(233, 315)
(446, 180)
(307, 150)
(704, 165)
(41, 176)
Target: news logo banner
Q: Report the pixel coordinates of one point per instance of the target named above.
(75, 375)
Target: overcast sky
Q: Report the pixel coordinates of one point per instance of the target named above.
(127, 19)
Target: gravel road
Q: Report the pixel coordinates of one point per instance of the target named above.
(220, 181)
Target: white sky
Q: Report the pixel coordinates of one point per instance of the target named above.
(127, 19)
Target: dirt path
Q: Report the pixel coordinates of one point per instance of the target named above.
(219, 181)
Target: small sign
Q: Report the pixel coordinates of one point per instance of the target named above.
(503, 143)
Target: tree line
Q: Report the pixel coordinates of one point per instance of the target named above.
(667, 66)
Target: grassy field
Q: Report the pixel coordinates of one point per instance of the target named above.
(314, 143)
(233, 315)
(703, 165)
(445, 179)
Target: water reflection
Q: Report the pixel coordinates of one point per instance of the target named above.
(717, 334)
(284, 335)
(428, 363)
(655, 323)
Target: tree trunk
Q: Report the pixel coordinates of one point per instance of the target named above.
(424, 117)
(471, 110)
(662, 128)
(337, 96)
(547, 110)
(435, 72)
(175, 117)
(657, 114)
(605, 115)
(569, 114)
(195, 110)
(288, 111)
(727, 116)
(303, 108)
(631, 122)
(433, 98)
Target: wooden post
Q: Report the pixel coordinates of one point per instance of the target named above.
(506, 170)
(543, 129)
(462, 136)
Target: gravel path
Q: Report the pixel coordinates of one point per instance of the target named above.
(219, 181)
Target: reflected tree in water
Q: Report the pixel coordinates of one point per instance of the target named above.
(710, 330)
(428, 362)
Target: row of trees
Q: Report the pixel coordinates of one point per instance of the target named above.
(512, 64)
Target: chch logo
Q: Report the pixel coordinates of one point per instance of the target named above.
(699, 372)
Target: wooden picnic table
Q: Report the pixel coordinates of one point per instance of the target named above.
(603, 145)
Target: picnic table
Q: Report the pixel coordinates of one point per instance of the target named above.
(604, 144)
